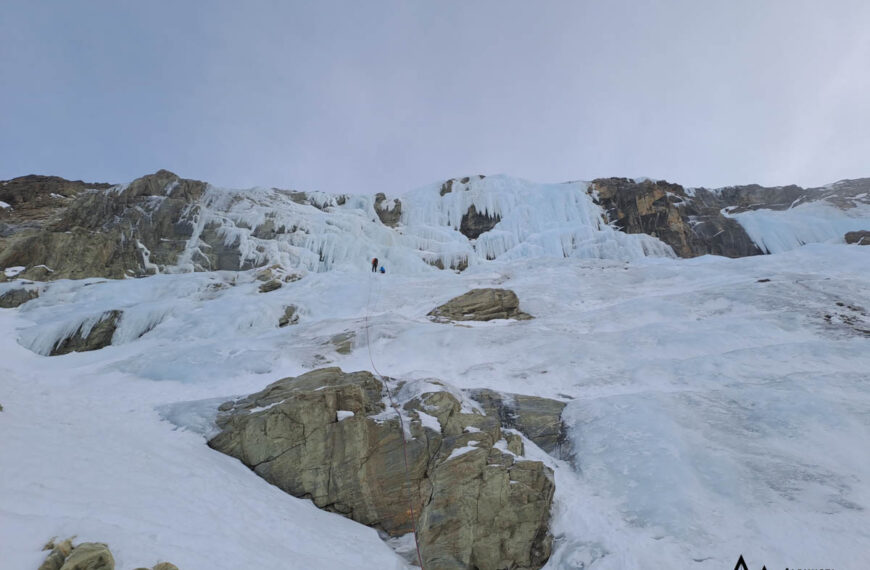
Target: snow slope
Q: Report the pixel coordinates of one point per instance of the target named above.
(711, 414)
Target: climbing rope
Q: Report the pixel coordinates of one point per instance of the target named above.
(374, 277)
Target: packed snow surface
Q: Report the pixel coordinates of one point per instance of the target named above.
(716, 407)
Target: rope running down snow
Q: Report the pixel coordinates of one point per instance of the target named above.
(398, 412)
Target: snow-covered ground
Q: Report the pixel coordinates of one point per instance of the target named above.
(712, 414)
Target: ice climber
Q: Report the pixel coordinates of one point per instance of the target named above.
(383, 270)
(374, 265)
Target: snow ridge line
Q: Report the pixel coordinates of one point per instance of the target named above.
(401, 420)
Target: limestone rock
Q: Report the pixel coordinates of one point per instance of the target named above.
(481, 305)
(17, 297)
(477, 506)
(860, 237)
(390, 213)
(95, 338)
(57, 556)
(290, 317)
(270, 286)
(89, 556)
(474, 223)
(93, 230)
(85, 556)
(539, 419)
(689, 225)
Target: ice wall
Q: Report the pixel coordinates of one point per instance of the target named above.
(775, 231)
(328, 232)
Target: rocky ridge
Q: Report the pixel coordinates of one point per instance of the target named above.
(57, 229)
(696, 221)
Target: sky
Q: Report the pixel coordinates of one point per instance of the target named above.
(386, 96)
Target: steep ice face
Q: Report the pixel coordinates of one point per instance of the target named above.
(775, 231)
(326, 232)
(533, 220)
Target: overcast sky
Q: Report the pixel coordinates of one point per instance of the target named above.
(366, 96)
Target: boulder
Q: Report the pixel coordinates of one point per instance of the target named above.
(90, 338)
(270, 286)
(481, 305)
(539, 419)
(328, 436)
(17, 297)
(290, 317)
(861, 237)
(89, 556)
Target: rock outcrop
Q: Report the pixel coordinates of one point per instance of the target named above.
(692, 221)
(389, 212)
(690, 225)
(290, 316)
(18, 296)
(85, 556)
(860, 237)
(117, 232)
(474, 223)
(481, 305)
(90, 336)
(539, 419)
(328, 436)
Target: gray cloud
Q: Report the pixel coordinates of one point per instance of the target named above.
(369, 96)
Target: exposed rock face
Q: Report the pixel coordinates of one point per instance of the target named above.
(691, 227)
(448, 185)
(94, 338)
(17, 297)
(124, 231)
(861, 238)
(327, 436)
(539, 419)
(692, 222)
(34, 199)
(390, 213)
(475, 223)
(481, 305)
